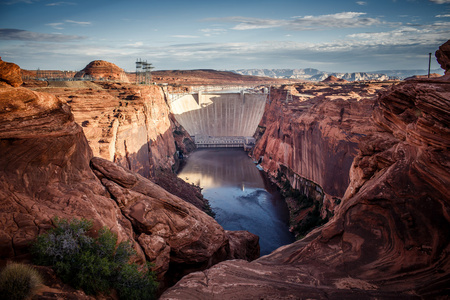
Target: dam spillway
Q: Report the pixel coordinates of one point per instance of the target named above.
(219, 119)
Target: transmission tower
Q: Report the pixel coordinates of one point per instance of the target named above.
(143, 72)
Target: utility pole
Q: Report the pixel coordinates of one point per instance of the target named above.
(429, 64)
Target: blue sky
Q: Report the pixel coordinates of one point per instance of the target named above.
(338, 36)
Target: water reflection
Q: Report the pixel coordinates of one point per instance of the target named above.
(239, 195)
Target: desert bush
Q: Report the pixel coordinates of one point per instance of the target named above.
(95, 265)
(19, 281)
(133, 284)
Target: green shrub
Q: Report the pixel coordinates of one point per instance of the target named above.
(133, 284)
(18, 281)
(95, 265)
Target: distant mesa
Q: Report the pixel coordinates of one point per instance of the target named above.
(102, 70)
(332, 78)
(432, 75)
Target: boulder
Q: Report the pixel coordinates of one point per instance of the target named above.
(10, 74)
(183, 234)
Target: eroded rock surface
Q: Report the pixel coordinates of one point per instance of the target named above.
(10, 74)
(315, 135)
(132, 126)
(443, 57)
(44, 159)
(307, 141)
(389, 237)
(47, 169)
(168, 228)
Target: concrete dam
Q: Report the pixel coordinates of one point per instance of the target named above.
(220, 119)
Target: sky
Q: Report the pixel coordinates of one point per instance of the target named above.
(329, 35)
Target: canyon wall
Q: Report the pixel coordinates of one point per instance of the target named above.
(124, 123)
(132, 126)
(308, 138)
(47, 170)
(389, 238)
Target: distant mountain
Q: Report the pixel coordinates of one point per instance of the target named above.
(317, 75)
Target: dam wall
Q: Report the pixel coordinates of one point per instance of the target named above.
(229, 116)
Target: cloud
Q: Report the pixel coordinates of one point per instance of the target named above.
(354, 53)
(213, 31)
(440, 1)
(301, 23)
(78, 22)
(60, 3)
(361, 2)
(338, 20)
(181, 36)
(55, 25)
(443, 16)
(60, 25)
(254, 23)
(406, 35)
(24, 35)
(135, 45)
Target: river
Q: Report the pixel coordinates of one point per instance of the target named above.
(240, 195)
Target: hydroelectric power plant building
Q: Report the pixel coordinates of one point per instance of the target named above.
(216, 119)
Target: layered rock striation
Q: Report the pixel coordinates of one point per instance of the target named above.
(308, 138)
(443, 57)
(10, 74)
(389, 236)
(47, 169)
(133, 127)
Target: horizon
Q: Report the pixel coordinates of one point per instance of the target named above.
(345, 37)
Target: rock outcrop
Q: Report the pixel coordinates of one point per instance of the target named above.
(44, 159)
(169, 230)
(102, 70)
(47, 169)
(10, 74)
(389, 237)
(443, 57)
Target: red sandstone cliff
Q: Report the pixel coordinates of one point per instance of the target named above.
(389, 237)
(132, 126)
(47, 169)
(309, 143)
